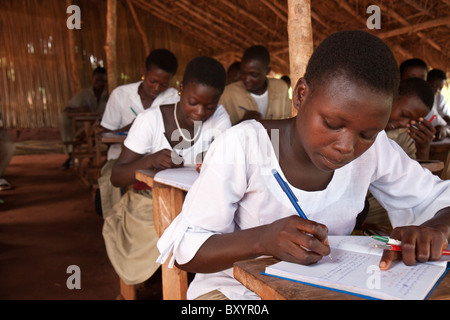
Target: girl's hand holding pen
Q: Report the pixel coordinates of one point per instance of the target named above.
(164, 159)
(294, 239)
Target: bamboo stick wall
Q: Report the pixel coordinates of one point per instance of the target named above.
(35, 65)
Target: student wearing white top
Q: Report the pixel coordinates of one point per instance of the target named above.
(437, 78)
(330, 154)
(167, 136)
(126, 102)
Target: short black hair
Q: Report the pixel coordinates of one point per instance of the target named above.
(417, 87)
(163, 59)
(410, 63)
(100, 70)
(357, 55)
(207, 71)
(257, 52)
(234, 66)
(436, 74)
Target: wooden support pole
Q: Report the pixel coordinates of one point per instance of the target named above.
(74, 75)
(110, 46)
(300, 38)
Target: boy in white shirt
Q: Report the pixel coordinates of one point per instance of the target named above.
(330, 154)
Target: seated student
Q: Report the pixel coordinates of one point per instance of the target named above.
(437, 78)
(407, 125)
(330, 154)
(7, 148)
(417, 68)
(92, 99)
(234, 72)
(262, 97)
(409, 129)
(126, 102)
(167, 136)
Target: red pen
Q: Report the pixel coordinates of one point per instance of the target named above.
(399, 248)
(432, 118)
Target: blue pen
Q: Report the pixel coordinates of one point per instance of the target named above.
(245, 109)
(283, 184)
(289, 194)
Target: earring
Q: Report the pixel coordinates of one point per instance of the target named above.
(179, 93)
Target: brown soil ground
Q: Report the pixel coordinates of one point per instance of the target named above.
(48, 223)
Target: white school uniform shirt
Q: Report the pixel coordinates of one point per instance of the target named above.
(119, 109)
(236, 190)
(147, 136)
(441, 105)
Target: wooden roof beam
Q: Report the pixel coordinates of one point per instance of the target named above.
(249, 15)
(415, 28)
(400, 19)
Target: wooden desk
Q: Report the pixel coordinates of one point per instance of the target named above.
(439, 149)
(112, 137)
(86, 149)
(435, 166)
(248, 272)
(168, 195)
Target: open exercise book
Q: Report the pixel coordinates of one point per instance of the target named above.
(182, 178)
(353, 268)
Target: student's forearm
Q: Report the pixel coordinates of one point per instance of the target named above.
(441, 222)
(220, 251)
(124, 175)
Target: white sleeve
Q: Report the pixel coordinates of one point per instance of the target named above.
(111, 119)
(144, 135)
(210, 204)
(410, 193)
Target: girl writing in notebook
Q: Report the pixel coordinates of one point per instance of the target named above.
(162, 137)
(330, 154)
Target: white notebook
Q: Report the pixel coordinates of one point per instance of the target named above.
(354, 269)
(182, 178)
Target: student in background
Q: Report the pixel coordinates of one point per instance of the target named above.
(167, 136)
(126, 102)
(234, 72)
(331, 153)
(92, 99)
(7, 148)
(408, 128)
(437, 78)
(256, 96)
(407, 125)
(417, 68)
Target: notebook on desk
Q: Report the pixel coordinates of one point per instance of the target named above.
(354, 269)
(182, 178)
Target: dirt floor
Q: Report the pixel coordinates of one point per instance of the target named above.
(48, 223)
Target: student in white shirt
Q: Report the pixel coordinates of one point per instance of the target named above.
(330, 154)
(126, 102)
(163, 137)
(437, 78)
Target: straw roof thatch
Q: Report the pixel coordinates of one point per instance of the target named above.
(39, 56)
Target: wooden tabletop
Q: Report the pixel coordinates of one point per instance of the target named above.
(248, 272)
(112, 137)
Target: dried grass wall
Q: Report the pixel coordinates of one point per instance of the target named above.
(35, 80)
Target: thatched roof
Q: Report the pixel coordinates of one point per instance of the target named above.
(225, 28)
(41, 61)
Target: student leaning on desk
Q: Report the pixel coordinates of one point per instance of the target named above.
(167, 136)
(330, 154)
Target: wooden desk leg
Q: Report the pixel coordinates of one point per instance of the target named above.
(175, 283)
(167, 204)
(127, 291)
